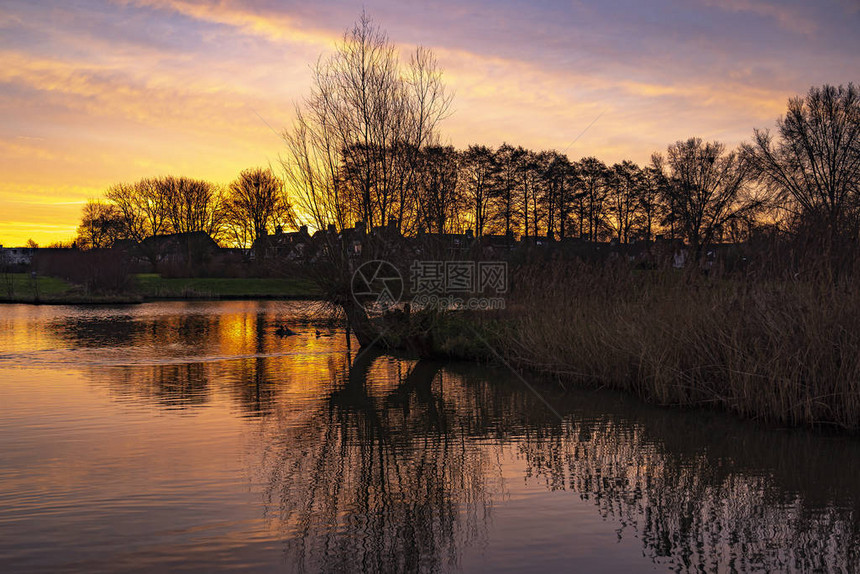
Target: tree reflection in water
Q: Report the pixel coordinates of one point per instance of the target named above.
(383, 482)
(404, 476)
(388, 464)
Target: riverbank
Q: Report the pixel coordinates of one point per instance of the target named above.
(783, 352)
(22, 288)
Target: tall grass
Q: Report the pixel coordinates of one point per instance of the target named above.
(783, 351)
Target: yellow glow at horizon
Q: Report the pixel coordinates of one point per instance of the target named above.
(117, 118)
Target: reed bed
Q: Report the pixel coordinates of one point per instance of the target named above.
(784, 351)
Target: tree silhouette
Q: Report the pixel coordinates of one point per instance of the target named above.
(479, 166)
(101, 226)
(353, 150)
(256, 203)
(626, 183)
(813, 165)
(707, 188)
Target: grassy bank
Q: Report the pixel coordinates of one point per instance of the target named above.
(22, 288)
(151, 286)
(785, 352)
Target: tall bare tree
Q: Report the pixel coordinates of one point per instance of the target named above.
(506, 185)
(626, 182)
(593, 188)
(557, 174)
(812, 166)
(708, 187)
(440, 201)
(479, 165)
(353, 150)
(651, 203)
(532, 190)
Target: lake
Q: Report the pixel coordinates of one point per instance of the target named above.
(192, 437)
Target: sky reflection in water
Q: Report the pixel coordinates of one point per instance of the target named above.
(190, 436)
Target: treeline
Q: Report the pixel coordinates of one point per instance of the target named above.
(254, 204)
(545, 194)
(365, 148)
(802, 180)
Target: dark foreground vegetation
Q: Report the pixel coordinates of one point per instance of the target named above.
(782, 351)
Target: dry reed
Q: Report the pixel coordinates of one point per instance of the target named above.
(783, 351)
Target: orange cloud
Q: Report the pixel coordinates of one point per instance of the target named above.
(275, 26)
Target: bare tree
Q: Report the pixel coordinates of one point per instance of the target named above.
(532, 188)
(439, 193)
(507, 183)
(353, 149)
(192, 205)
(708, 187)
(429, 103)
(626, 183)
(256, 203)
(479, 165)
(557, 175)
(143, 207)
(813, 165)
(101, 225)
(651, 203)
(592, 183)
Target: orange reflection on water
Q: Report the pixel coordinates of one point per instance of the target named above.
(151, 433)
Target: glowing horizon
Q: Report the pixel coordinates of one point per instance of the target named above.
(116, 90)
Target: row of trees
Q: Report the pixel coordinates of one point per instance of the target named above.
(365, 147)
(697, 190)
(252, 205)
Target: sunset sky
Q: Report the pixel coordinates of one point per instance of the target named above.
(93, 92)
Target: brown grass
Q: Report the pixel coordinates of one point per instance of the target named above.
(786, 352)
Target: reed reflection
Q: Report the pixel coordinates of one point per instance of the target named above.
(695, 509)
(385, 463)
(405, 476)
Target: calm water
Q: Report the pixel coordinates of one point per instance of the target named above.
(190, 437)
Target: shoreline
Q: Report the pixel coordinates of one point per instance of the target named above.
(139, 300)
(149, 287)
(628, 342)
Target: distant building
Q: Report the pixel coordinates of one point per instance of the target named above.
(291, 245)
(16, 256)
(179, 250)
